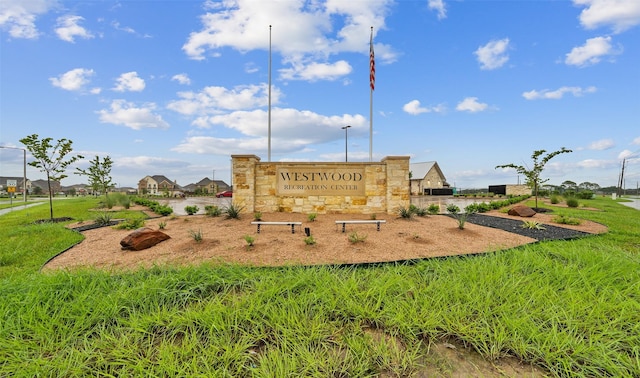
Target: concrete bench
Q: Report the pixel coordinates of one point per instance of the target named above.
(372, 221)
(292, 224)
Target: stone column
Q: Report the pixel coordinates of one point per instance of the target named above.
(244, 180)
(397, 182)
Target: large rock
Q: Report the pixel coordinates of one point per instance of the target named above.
(143, 238)
(522, 211)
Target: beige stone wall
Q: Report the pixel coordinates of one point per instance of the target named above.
(518, 190)
(386, 187)
(432, 180)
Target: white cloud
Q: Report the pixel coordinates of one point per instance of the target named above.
(413, 107)
(147, 164)
(636, 141)
(19, 17)
(591, 52)
(626, 154)
(493, 55)
(73, 80)
(603, 144)
(594, 164)
(471, 104)
(302, 32)
(558, 93)
(316, 71)
(291, 124)
(214, 99)
(619, 14)
(182, 79)
(67, 28)
(129, 82)
(127, 29)
(438, 5)
(127, 114)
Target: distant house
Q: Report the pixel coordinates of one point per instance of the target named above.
(18, 180)
(209, 186)
(44, 186)
(159, 185)
(427, 178)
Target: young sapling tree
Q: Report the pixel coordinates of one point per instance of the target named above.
(99, 174)
(50, 158)
(533, 174)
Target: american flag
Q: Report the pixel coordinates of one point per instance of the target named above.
(372, 64)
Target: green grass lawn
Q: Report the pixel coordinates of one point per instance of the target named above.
(570, 307)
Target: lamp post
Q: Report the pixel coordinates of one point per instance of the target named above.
(24, 171)
(345, 128)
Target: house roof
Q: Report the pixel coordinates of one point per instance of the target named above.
(420, 170)
(3, 180)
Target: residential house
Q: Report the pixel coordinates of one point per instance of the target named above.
(19, 181)
(43, 186)
(206, 185)
(159, 185)
(427, 178)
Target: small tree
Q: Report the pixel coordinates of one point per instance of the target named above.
(50, 159)
(99, 174)
(533, 174)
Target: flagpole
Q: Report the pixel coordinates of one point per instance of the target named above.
(372, 78)
(269, 111)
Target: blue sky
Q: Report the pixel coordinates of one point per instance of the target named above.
(177, 87)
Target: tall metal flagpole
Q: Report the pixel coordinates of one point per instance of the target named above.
(269, 136)
(372, 81)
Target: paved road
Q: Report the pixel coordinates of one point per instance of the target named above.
(21, 207)
(635, 203)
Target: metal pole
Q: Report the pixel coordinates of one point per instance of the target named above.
(345, 128)
(24, 171)
(269, 136)
(24, 175)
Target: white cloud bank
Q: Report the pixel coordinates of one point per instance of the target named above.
(621, 15)
(414, 108)
(591, 52)
(471, 105)
(305, 34)
(73, 80)
(557, 94)
(19, 17)
(135, 117)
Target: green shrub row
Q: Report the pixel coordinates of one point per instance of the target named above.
(483, 207)
(155, 206)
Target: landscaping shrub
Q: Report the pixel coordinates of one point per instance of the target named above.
(572, 202)
(102, 219)
(130, 224)
(212, 210)
(190, 210)
(585, 194)
(233, 211)
(433, 209)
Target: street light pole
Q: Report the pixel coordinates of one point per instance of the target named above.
(345, 128)
(24, 170)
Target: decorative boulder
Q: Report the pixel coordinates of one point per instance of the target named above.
(142, 238)
(522, 211)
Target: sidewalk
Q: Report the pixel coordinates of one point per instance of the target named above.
(21, 207)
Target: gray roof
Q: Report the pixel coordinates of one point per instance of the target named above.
(419, 170)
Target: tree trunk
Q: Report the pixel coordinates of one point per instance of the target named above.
(50, 197)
